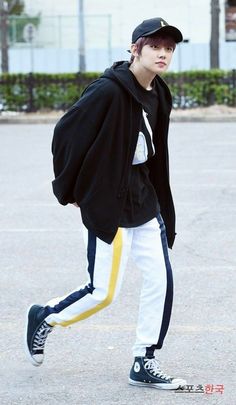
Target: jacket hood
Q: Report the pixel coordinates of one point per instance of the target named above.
(118, 72)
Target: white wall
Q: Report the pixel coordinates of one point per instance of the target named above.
(57, 42)
(55, 60)
(191, 16)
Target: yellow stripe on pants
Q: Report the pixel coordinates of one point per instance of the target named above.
(117, 251)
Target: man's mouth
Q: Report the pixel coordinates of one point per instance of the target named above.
(161, 64)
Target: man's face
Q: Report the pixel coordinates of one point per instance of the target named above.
(156, 56)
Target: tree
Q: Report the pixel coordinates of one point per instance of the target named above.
(214, 42)
(6, 8)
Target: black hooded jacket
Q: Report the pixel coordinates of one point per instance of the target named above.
(93, 147)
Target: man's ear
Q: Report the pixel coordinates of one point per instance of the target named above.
(133, 50)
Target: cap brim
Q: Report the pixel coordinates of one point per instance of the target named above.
(168, 29)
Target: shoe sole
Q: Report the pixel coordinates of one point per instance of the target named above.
(27, 352)
(155, 385)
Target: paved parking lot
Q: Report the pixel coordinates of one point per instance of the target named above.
(42, 255)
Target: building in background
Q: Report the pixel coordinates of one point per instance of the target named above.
(108, 27)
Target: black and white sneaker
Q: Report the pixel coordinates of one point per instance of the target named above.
(146, 372)
(36, 334)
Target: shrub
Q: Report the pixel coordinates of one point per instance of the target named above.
(35, 92)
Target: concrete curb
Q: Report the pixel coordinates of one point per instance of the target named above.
(186, 116)
(218, 118)
(29, 119)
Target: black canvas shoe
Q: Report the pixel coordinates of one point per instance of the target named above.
(146, 372)
(36, 334)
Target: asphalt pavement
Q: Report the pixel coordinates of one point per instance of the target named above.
(42, 256)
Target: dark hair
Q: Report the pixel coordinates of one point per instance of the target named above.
(152, 40)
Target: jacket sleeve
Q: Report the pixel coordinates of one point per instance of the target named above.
(73, 136)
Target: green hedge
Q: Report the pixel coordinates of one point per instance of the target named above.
(203, 88)
(34, 92)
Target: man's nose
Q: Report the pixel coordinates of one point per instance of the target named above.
(162, 53)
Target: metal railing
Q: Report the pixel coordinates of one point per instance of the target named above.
(203, 88)
(35, 92)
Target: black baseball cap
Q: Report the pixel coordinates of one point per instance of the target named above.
(154, 25)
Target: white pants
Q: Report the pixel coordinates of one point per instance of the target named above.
(106, 265)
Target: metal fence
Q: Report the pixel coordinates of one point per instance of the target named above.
(35, 92)
(52, 43)
(203, 88)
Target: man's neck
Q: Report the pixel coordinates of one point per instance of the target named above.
(143, 76)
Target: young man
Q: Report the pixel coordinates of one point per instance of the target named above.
(110, 158)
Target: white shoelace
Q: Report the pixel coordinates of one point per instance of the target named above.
(154, 367)
(41, 336)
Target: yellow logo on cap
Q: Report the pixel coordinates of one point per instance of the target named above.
(162, 23)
